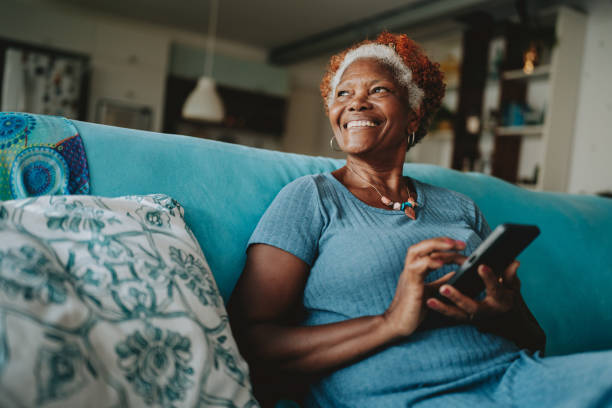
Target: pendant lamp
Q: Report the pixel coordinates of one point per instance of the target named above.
(204, 103)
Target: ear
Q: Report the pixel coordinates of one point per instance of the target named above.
(414, 121)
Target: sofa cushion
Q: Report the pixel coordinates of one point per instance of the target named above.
(112, 301)
(566, 273)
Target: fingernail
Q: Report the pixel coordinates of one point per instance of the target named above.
(431, 303)
(445, 290)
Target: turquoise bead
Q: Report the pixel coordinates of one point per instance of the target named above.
(406, 204)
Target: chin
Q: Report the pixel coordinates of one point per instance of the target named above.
(357, 150)
(356, 144)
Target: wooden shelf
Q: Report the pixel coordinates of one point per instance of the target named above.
(529, 130)
(549, 144)
(540, 71)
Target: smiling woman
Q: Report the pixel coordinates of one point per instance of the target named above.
(342, 268)
(369, 111)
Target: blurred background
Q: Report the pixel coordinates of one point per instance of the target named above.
(529, 93)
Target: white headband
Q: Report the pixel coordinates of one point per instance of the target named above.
(387, 55)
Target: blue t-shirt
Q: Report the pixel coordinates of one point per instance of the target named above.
(356, 254)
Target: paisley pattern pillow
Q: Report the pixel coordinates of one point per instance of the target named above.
(110, 302)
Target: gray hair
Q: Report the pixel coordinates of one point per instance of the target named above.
(387, 56)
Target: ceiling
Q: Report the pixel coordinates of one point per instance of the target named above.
(283, 25)
(261, 23)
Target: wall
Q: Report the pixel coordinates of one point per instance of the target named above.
(129, 59)
(308, 130)
(591, 166)
(444, 47)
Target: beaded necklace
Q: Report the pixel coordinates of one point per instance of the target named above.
(407, 207)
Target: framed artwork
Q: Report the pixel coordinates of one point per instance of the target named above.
(43, 80)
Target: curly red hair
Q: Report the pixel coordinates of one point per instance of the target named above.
(425, 74)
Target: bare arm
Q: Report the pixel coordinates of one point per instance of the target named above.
(265, 310)
(266, 305)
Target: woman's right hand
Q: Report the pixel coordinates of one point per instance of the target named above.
(407, 310)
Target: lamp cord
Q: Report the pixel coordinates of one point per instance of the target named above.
(210, 40)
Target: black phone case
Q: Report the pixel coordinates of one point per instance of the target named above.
(497, 251)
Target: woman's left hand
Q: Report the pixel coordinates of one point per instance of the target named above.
(502, 294)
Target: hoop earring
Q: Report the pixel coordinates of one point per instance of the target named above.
(331, 144)
(411, 140)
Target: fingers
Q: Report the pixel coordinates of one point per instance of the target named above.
(499, 294)
(432, 287)
(501, 290)
(448, 310)
(449, 257)
(432, 254)
(491, 280)
(510, 277)
(422, 266)
(463, 308)
(440, 244)
(468, 305)
(438, 282)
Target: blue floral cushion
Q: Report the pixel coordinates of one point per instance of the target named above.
(110, 302)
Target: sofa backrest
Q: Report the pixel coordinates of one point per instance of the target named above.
(224, 188)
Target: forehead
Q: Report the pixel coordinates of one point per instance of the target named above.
(368, 69)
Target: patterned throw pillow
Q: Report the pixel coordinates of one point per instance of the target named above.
(109, 302)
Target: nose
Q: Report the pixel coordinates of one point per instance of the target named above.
(359, 102)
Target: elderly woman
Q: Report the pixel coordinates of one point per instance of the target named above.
(342, 267)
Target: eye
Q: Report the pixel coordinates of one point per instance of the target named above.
(342, 93)
(380, 89)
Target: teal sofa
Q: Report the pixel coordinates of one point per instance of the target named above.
(566, 273)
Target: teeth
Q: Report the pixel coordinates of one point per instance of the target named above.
(359, 123)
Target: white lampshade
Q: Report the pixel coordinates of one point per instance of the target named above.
(204, 102)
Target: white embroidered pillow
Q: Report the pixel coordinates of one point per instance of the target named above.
(110, 302)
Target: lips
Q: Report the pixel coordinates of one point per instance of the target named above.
(361, 124)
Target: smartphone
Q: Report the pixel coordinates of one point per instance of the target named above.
(497, 251)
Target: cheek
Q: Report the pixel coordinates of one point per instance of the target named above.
(400, 117)
(334, 117)
(334, 114)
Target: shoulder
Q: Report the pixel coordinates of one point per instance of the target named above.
(305, 193)
(307, 186)
(300, 187)
(300, 182)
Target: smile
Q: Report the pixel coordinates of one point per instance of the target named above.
(360, 123)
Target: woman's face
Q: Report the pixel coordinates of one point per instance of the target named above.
(369, 112)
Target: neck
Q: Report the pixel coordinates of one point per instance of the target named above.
(386, 175)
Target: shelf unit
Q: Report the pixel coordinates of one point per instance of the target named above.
(527, 130)
(542, 70)
(555, 136)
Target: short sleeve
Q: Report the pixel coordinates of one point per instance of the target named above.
(481, 226)
(293, 222)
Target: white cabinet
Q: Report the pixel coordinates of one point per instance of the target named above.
(129, 66)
